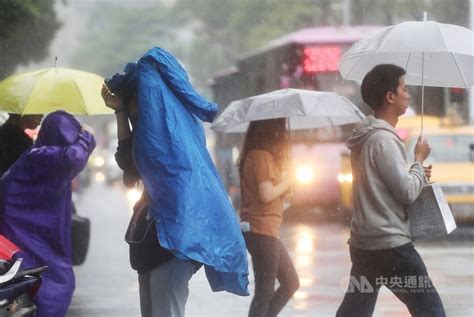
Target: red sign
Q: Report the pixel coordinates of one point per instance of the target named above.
(323, 58)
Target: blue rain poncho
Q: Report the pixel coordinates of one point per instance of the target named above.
(195, 218)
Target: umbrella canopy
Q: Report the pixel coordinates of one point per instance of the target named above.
(48, 90)
(304, 108)
(432, 54)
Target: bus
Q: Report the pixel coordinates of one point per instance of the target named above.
(306, 59)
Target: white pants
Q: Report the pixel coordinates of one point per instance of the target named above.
(164, 290)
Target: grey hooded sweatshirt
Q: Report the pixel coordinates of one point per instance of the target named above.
(383, 184)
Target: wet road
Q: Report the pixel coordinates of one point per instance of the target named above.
(107, 286)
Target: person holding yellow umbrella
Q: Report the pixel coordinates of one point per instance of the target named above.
(27, 97)
(13, 139)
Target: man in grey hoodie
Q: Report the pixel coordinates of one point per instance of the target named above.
(381, 249)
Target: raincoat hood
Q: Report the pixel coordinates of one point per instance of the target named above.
(58, 129)
(195, 219)
(366, 128)
(125, 84)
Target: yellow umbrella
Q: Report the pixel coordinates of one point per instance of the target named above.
(51, 89)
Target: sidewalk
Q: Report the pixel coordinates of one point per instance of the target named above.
(106, 286)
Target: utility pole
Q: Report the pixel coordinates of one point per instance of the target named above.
(346, 12)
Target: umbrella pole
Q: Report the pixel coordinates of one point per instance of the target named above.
(290, 157)
(422, 91)
(425, 18)
(291, 169)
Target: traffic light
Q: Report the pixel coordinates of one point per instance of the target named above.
(457, 95)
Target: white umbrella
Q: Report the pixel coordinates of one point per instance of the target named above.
(304, 108)
(432, 54)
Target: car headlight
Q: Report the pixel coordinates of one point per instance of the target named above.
(99, 177)
(344, 178)
(304, 174)
(99, 161)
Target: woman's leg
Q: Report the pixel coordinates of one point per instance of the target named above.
(265, 254)
(289, 282)
(169, 287)
(144, 292)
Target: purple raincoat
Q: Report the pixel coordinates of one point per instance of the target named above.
(35, 206)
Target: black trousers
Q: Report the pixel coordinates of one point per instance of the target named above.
(402, 270)
(271, 261)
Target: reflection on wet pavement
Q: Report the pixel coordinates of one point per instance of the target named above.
(106, 286)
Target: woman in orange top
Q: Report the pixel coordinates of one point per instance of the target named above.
(264, 183)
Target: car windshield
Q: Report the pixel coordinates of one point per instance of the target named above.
(445, 148)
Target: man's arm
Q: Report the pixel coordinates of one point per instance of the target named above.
(405, 184)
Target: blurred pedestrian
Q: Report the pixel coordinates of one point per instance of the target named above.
(13, 139)
(380, 244)
(194, 221)
(263, 167)
(35, 206)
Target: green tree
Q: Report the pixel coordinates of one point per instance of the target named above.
(209, 35)
(117, 34)
(225, 29)
(205, 34)
(26, 29)
(388, 12)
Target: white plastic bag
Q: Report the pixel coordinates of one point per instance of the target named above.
(430, 215)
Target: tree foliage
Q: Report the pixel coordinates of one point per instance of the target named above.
(227, 28)
(388, 12)
(208, 35)
(26, 29)
(118, 34)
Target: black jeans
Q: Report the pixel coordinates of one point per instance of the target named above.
(402, 270)
(270, 261)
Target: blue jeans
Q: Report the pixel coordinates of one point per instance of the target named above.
(402, 270)
(270, 261)
(164, 289)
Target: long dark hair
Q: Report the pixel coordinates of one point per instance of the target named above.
(268, 135)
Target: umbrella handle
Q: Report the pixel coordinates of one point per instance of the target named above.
(290, 156)
(290, 151)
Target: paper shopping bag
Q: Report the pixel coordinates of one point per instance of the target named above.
(430, 216)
